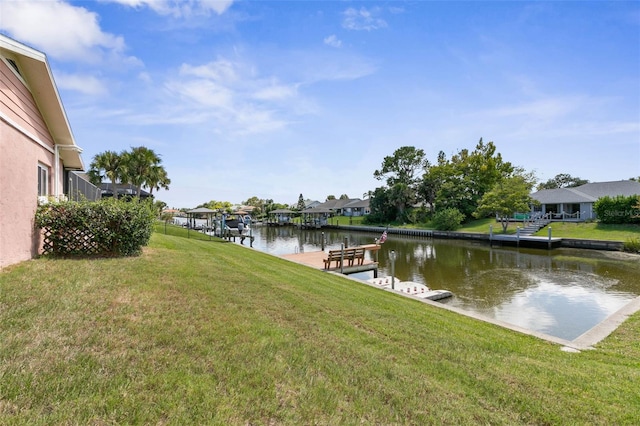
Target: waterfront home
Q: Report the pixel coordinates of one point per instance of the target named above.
(37, 148)
(577, 203)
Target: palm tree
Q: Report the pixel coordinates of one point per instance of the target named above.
(106, 164)
(157, 178)
(137, 166)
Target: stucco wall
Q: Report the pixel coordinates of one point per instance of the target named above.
(24, 142)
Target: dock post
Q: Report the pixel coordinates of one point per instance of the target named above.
(342, 258)
(346, 242)
(549, 237)
(393, 269)
(322, 242)
(518, 236)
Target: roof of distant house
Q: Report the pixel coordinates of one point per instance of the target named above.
(588, 193)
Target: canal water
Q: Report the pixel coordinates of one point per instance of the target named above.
(561, 292)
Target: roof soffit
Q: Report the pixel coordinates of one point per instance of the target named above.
(36, 72)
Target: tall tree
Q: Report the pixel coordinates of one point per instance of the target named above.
(137, 165)
(405, 166)
(157, 179)
(106, 164)
(562, 180)
(402, 172)
(462, 181)
(301, 204)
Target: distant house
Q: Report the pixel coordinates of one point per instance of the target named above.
(124, 190)
(577, 203)
(309, 204)
(357, 208)
(37, 149)
(345, 207)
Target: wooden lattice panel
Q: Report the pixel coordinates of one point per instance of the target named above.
(71, 241)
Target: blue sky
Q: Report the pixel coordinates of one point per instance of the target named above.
(277, 98)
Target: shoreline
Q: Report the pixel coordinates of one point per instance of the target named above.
(563, 242)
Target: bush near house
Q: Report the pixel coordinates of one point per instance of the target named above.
(105, 227)
(618, 209)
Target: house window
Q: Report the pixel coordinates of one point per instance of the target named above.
(43, 180)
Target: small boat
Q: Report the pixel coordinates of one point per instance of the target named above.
(232, 222)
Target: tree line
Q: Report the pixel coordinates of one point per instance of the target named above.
(448, 191)
(469, 184)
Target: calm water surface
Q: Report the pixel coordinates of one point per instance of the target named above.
(561, 292)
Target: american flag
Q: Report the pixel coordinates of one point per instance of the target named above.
(383, 237)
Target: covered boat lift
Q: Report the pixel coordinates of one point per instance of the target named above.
(280, 217)
(194, 214)
(315, 217)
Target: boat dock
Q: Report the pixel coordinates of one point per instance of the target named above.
(339, 260)
(524, 241)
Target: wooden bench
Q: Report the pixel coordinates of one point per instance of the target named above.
(358, 256)
(347, 256)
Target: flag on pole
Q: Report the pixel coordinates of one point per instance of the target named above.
(383, 237)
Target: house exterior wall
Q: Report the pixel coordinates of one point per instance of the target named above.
(25, 143)
(586, 211)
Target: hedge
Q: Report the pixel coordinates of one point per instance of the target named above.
(619, 209)
(105, 227)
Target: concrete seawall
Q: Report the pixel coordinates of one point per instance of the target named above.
(428, 233)
(592, 244)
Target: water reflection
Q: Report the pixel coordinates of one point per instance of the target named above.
(560, 292)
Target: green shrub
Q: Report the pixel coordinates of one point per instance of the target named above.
(105, 227)
(448, 219)
(618, 209)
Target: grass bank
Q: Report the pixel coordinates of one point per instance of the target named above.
(208, 332)
(592, 231)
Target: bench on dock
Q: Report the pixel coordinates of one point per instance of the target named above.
(349, 257)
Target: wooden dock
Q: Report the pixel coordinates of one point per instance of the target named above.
(316, 259)
(525, 241)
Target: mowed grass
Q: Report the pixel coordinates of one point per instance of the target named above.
(208, 332)
(592, 231)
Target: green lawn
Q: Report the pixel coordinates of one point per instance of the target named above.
(208, 332)
(592, 231)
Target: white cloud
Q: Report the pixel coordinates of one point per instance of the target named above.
(230, 96)
(85, 84)
(145, 77)
(332, 41)
(221, 70)
(363, 19)
(275, 91)
(180, 8)
(75, 33)
(311, 66)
